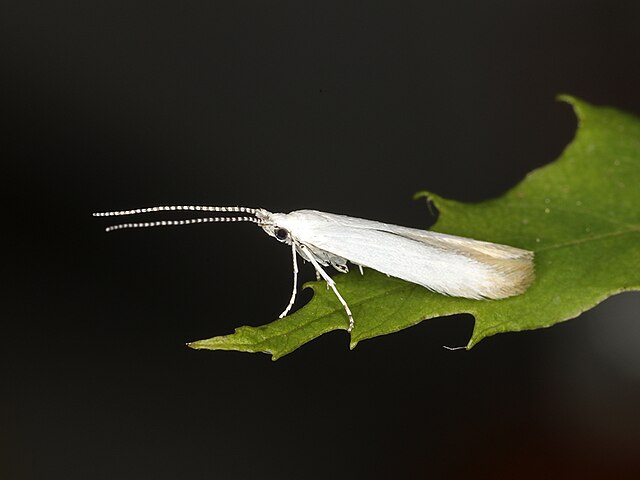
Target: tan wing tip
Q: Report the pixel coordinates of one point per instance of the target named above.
(513, 276)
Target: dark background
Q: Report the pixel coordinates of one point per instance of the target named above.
(346, 107)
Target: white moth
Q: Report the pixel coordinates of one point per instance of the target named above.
(447, 264)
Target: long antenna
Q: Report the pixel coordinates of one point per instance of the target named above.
(190, 221)
(164, 208)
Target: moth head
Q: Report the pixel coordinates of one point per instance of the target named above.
(275, 224)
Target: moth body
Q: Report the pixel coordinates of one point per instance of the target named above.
(447, 264)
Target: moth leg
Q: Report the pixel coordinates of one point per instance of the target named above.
(361, 270)
(319, 277)
(331, 284)
(295, 281)
(341, 268)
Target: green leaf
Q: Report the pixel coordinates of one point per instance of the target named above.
(580, 215)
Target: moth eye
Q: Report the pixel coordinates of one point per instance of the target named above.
(282, 234)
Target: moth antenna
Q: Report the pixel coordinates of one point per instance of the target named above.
(165, 208)
(189, 221)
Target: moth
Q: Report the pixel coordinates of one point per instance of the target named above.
(446, 264)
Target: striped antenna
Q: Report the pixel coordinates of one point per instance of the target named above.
(165, 208)
(190, 221)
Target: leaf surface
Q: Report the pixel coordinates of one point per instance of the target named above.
(579, 214)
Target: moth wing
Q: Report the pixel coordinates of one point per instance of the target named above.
(444, 263)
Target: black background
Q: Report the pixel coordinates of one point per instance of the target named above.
(346, 107)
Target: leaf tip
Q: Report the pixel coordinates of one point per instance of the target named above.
(577, 104)
(566, 98)
(432, 199)
(207, 344)
(428, 196)
(477, 336)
